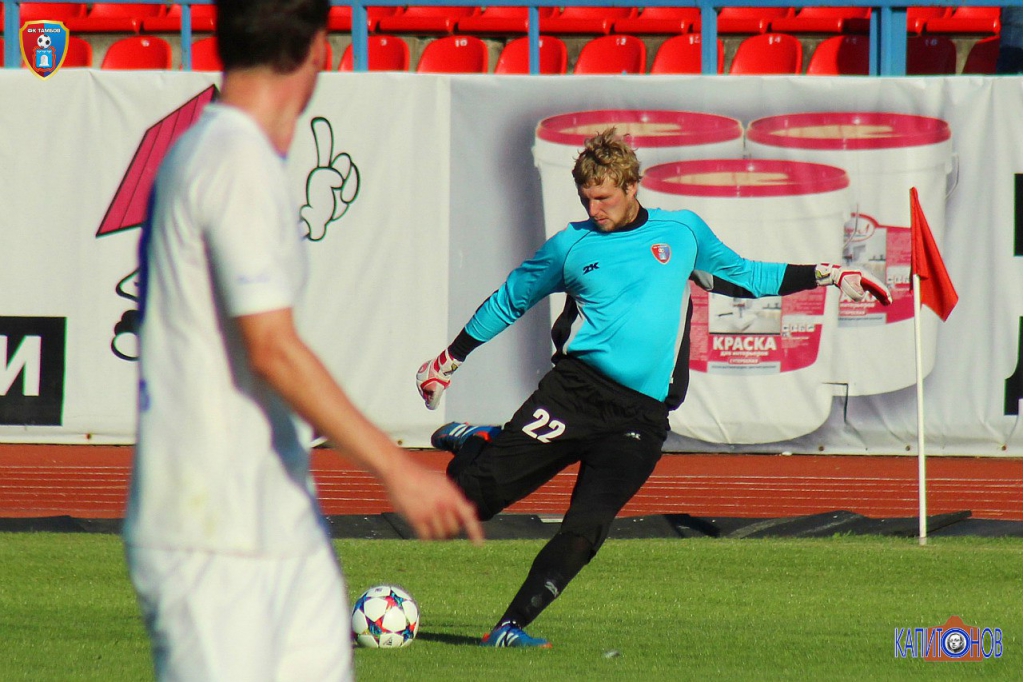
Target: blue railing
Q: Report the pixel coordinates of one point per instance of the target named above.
(888, 32)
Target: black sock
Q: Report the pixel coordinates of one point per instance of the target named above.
(556, 564)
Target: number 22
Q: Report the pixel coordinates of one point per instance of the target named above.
(544, 420)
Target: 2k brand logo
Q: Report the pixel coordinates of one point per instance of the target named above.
(589, 268)
(32, 370)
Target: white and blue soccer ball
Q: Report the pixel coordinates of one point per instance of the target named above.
(385, 617)
(43, 41)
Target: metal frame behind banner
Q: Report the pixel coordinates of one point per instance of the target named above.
(888, 33)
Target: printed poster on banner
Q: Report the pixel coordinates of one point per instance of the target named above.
(44, 45)
(884, 252)
(770, 335)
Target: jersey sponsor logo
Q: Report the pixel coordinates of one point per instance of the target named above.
(589, 268)
(663, 252)
(32, 370)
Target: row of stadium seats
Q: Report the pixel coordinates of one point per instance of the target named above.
(617, 54)
(434, 20)
(765, 54)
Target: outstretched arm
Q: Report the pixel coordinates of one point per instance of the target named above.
(796, 278)
(431, 504)
(854, 283)
(525, 286)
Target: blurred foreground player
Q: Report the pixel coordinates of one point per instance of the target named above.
(226, 548)
(605, 403)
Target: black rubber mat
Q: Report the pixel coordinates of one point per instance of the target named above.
(390, 526)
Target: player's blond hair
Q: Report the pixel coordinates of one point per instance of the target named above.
(606, 155)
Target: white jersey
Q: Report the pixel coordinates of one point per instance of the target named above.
(221, 463)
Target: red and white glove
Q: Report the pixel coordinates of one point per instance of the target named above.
(854, 283)
(435, 376)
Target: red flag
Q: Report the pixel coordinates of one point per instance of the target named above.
(937, 290)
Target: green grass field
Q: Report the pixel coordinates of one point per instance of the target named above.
(674, 609)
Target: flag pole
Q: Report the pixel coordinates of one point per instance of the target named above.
(925, 265)
(922, 495)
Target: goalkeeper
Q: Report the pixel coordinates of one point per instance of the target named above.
(605, 403)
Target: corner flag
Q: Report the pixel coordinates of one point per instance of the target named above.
(937, 290)
(932, 288)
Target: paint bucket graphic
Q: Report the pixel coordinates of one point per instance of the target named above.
(884, 154)
(759, 368)
(657, 136)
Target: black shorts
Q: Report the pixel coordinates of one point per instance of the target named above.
(575, 415)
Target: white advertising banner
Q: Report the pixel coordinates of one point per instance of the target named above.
(369, 165)
(419, 193)
(862, 399)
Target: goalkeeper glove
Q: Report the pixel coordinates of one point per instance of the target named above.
(854, 283)
(435, 376)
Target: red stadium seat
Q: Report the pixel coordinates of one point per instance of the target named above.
(515, 57)
(750, 19)
(454, 54)
(138, 52)
(585, 20)
(205, 56)
(930, 56)
(983, 57)
(917, 17)
(500, 20)
(339, 19)
(612, 55)
(681, 54)
(79, 53)
(204, 20)
(841, 56)
(825, 20)
(966, 20)
(384, 53)
(114, 17)
(424, 20)
(53, 11)
(771, 53)
(660, 20)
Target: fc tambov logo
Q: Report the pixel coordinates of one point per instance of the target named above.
(44, 45)
(663, 252)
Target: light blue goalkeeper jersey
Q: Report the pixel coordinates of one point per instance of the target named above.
(630, 287)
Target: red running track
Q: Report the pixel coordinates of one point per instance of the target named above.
(91, 482)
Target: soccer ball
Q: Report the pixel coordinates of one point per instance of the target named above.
(43, 41)
(385, 617)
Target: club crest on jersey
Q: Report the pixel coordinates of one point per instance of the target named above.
(663, 252)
